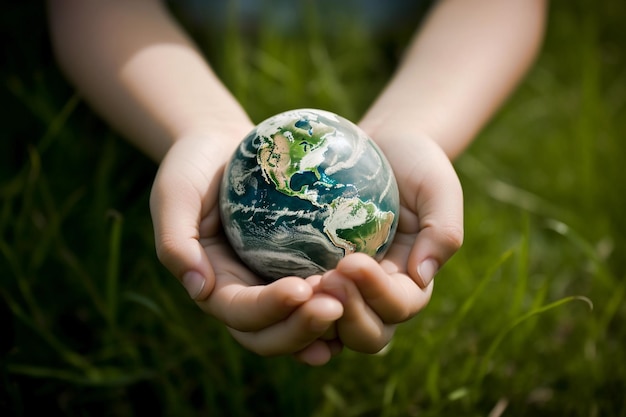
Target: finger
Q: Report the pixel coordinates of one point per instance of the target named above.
(392, 295)
(316, 354)
(252, 308)
(319, 352)
(360, 328)
(305, 325)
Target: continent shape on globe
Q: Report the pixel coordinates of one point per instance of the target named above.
(304, 189)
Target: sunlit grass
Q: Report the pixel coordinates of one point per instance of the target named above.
(93, 325)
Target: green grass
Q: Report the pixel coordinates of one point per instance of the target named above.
(526, 318)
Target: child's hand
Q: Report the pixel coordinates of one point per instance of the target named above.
(285, 317)
(377, 296)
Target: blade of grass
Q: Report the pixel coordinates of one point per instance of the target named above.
(591, 109)
(609, 309)
(69, 356)
(334, 397)
(388, 397)
(113, 267)
(83, 278)
(58, 123)
(176, 323)
(144, 301)
(602, 271)
(21, 225)
(101, 377)
(484, 365)
(236, 72)
(521, 284)
(473, 297)
(327, 77)
(125, 346)
(432, 382)
(31, 176)
(505, 192)
(446, 333)
(49, 227)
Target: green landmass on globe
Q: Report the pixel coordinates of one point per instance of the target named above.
(304, 189)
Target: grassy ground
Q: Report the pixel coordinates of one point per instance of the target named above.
(527, 319)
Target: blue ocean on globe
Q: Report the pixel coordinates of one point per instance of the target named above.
(304, 189)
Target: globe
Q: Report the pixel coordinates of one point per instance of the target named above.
(304, 189)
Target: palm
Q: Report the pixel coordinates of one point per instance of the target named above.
(282, 317)
(379, 295)
(291, 315)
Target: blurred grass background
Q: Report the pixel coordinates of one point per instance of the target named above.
(92, 325)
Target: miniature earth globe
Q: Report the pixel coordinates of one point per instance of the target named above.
(304, 189)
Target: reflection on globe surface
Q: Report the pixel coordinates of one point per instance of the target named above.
(304, 189)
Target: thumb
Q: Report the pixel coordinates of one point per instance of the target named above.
(439, 206)
(435, 244)
(176, 210)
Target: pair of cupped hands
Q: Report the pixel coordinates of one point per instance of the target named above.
(357, 305)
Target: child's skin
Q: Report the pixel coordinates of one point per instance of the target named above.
(138, 69)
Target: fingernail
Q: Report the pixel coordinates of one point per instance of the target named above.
(318, 325)
(338, 292)
(193, 283)
(427, 270)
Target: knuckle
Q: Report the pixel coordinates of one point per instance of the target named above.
(452, 236)
(399, 313)
(166, 249)
(403, 315)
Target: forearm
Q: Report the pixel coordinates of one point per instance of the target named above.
(462, 64)
(139, 71)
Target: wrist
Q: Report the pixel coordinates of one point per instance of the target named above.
(224, 132)
(392, 129)
(389, 132)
